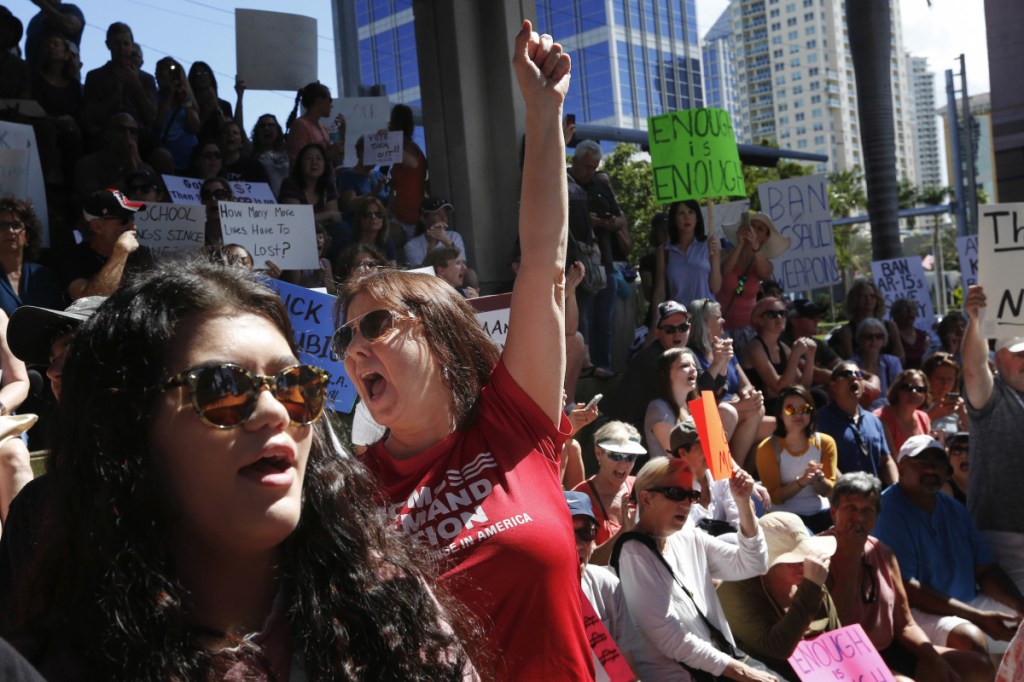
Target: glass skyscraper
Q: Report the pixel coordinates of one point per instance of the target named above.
(631, 58)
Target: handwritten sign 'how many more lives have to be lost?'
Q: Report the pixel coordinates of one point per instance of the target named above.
(284, 234)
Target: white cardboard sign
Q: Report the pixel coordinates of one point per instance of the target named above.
(904, 278)
(967, 249)
(274, 50)
(282, 233)
(383, 149)
(14, 173)
(799, 209)
(364, 116)
(166, 228)
(1000, 251)
(183, 190)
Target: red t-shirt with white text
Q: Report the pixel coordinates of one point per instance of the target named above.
(489, 502)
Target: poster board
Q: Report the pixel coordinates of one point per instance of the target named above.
(312, 317)
(713, 440)
(843, 654)
(694, 156)
(183, 190)
(725, 214)
(967, 250)
(492, 313)
(383, 148)
(799, 209)
(274, 50)
(171, 228)
(363, 116)
(1000, 255)
(904, 278)
(21, 136)
(14, 173)
(283, 233)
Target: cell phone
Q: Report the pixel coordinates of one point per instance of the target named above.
(570, 119)
(594, 401)
(952, 396)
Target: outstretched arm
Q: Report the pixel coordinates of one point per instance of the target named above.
(978, 379)
(535, 349)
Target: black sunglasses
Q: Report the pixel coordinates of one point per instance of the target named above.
(912, 388)
(373, 326)
(677, 329)
(677, 494)
(225, 395)
(587, 533)
(218, 194)
(620, 456)
(773, 314)
(848, 374)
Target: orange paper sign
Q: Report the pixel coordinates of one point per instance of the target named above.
(712, 435)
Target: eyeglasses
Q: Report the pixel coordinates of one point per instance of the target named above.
(774, 314)
(789, 410)
(741, 284)
(873, 337)
(620, 456)
(677, 494)
(12, 226)
(374, 325)
(848, 374)
(225, 395)
(913, 388)
(678, 329)
(373, 214)
(587, 533)
(218, 194)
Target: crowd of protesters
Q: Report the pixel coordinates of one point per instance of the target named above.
(190, 527)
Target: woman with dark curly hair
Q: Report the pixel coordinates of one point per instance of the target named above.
(199, 527)
(24, 282)
(469, 463)
(311, 182)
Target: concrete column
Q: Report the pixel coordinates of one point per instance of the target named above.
(474, 121)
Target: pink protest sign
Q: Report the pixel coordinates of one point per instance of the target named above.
(843, 654)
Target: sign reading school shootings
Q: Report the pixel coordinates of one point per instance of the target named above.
(284, 234)
(312, 317)
(799, 209)
(1000, 254)
(694, 155)
(171, 227)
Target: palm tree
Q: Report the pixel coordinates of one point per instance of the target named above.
(868, 22)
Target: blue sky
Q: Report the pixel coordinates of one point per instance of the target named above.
(192, 30)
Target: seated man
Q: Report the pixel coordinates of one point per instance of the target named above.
(432, 232)
(944, 558)
(450, 266)
(95, 267)
(859, 435)
(865, 583)
(600, 585)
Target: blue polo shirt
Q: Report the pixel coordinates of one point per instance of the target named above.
(860, 445)
(940, 549)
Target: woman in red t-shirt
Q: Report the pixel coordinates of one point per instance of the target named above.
(469, 463)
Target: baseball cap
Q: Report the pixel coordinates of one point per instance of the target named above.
(669, 308)
(789, 541)
(579, 504)
(110, 203)
(684, 434)
(915, 446)
(31, 329)
(431, 204)
(801, 307)
(1014, 344)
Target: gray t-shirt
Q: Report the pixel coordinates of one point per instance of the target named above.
(997, 461)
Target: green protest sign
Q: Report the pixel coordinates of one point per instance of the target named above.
(694, 155)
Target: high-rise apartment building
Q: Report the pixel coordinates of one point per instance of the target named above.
(982, 144)
(721, 89)
(926, 134)
(796, 82)
(631, 58)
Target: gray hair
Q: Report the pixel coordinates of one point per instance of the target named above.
(700, 336)
(873, 323)
(588, 148)
(857, 483)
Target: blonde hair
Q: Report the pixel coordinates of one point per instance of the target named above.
(615, 430)
(659, 470)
